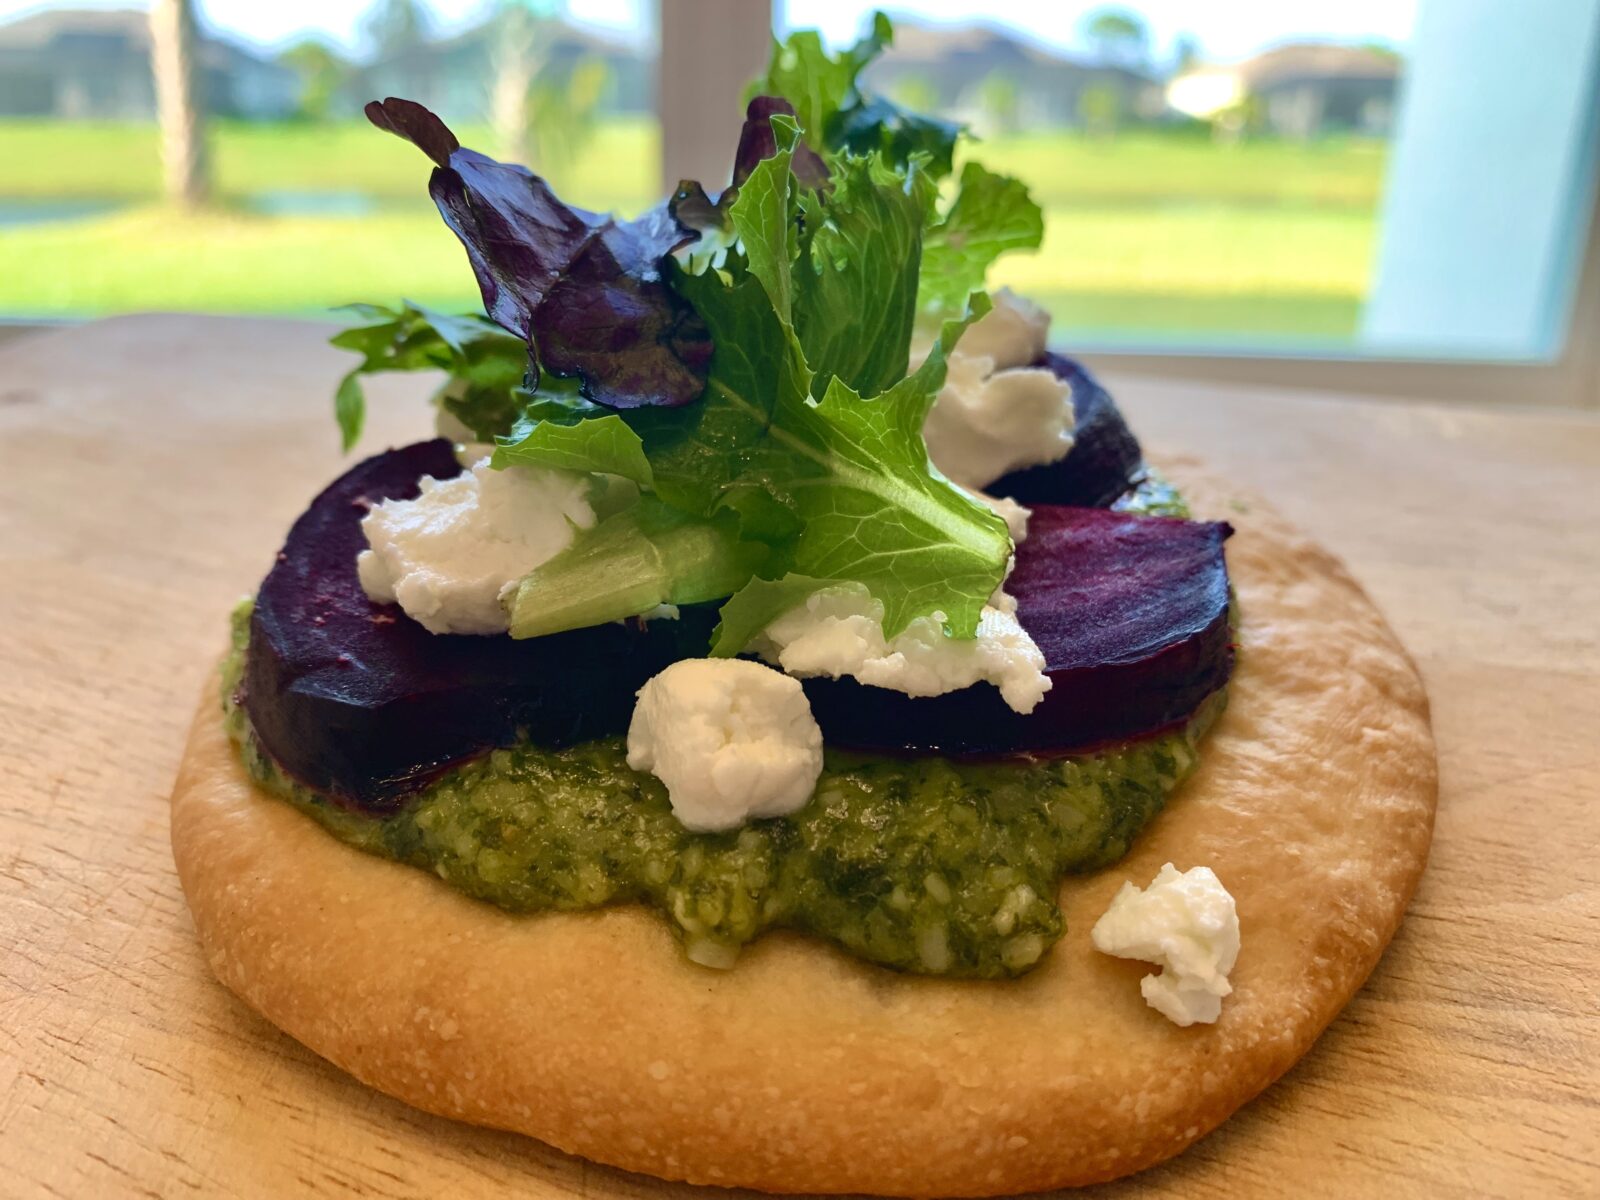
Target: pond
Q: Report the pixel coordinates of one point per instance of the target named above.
(278, 202)
(32, 211)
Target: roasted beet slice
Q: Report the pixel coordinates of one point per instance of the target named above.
(1104, 461)
(357, 701)
(1131, 613)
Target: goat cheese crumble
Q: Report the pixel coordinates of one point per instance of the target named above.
(996, 413)
(839, 631)
(1186, 923)
(732, 740)
(449, 556)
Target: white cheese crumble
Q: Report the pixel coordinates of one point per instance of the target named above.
(1186, 923)
(996, 413)
(839, 631)
(448, 556)
(732, 740)
(1013, 332)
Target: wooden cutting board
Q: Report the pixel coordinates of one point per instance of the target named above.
(149, 467)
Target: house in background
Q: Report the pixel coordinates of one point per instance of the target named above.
(95, 63)
(1303, 89)
(959, 62)
(453, 75)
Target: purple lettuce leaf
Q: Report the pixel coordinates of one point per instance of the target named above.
(585, 290)
(757, 141)
(693, 208)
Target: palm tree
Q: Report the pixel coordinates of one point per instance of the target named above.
(519, 27)
(1118, 36)
(174, 44)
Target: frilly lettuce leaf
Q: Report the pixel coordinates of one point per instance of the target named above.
(583, 289)
(600, 444)
(989, 215)
(816, 83)
(838, 489)
(842, 487)
(837, 114)
(856, 281)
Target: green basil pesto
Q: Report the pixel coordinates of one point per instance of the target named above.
(922, 864)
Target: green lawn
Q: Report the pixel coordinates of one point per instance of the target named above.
(93, 160)
(1146, 234)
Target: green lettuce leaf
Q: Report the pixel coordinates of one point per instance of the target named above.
(819, 85)
(599, 444)
(487, 363)
(633, 561)
(856, 473)
(850, 474)
(834, 490)
(874, 123)
(558, 428)
(837, 114)
(857, 280)
(990, 215)
(755, 606)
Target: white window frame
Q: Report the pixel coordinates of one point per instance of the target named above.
(711, 43)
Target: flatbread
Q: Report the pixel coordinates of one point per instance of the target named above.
(804, 1070)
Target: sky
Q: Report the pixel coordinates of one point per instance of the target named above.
(1226, 29)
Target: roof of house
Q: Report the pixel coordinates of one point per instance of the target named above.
(1317, 60)
(40, 30)
(926, 44)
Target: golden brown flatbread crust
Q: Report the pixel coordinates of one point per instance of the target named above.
(804, 1070)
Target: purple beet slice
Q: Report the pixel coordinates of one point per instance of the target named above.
(360, 703)
(1131, 613)
(1105, 459)
(357, 701)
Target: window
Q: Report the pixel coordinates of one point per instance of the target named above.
(1391, 178)
(307, 205)
(1360, 182)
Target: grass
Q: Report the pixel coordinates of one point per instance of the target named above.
(113, 160)
(1145, 234)
(1158, 169)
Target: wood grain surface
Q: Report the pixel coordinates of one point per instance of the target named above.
(149, 468)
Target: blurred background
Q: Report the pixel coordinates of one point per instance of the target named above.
(1340, 178)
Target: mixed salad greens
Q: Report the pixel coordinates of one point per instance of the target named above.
(744, 362)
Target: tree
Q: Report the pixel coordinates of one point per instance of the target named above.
(1118, 35)
(1001, 101)
(321, 69)
(517, 29)
(562, 110)
(915, 93)
(1100, 109)
(397, 26)
(180, 109)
